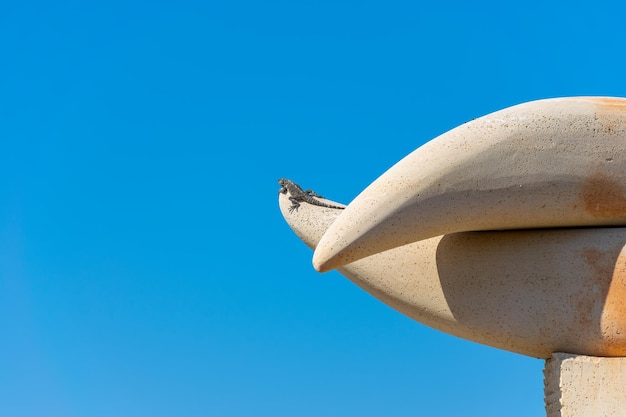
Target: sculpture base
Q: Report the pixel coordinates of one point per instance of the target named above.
(577, 386)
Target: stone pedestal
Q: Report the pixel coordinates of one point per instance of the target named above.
(585, 386)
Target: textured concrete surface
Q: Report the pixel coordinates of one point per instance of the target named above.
(542, 164)
(584, 386)
(533, 292)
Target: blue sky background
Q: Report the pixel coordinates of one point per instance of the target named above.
(145, 269)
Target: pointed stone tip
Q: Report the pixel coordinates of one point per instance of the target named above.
(323, 261)
(331, 252)
(347, 240)
(363, 229)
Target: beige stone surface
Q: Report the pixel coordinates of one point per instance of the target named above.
(547, 163)
(533, 292)
(577, 386)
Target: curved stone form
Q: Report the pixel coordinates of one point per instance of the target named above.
(547, 163)
(532, 292)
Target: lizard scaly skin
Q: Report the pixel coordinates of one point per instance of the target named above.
(298, 195)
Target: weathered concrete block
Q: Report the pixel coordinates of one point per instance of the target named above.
(577, 386)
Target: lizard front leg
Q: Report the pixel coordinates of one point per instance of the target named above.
(295, 206)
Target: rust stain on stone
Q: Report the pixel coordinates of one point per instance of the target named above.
(610, 114)
(613, 322)
(599, 283)
(609, 103)
(592, 257)
(603, 306)
(603, 197)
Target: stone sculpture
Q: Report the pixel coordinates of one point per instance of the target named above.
(509, 230)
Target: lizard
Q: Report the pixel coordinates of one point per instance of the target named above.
(298, 195)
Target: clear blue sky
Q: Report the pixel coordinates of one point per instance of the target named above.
(145, 269)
